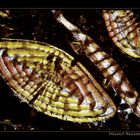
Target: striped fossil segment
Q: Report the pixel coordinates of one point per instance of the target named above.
(124, 30)
(83, 44)
(45, 78)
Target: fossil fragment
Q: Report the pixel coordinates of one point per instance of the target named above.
(4, 14)
(124, 30)
(83, 44)
(43, 76)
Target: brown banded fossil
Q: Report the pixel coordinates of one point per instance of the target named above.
(124, 30)
(43, 77)
(51, 81)
(83, 44)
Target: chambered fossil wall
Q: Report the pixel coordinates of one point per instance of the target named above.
(69, 70)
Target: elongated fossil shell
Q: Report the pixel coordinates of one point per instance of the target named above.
(83, 44)
(124, 30)
(44, 77)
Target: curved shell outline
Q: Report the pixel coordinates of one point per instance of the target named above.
(44, 77)
(109, 68)
(124, 30)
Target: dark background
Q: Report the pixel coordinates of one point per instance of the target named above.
(40, 25)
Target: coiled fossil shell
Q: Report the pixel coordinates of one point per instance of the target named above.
(124, 29)
(45, 78)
